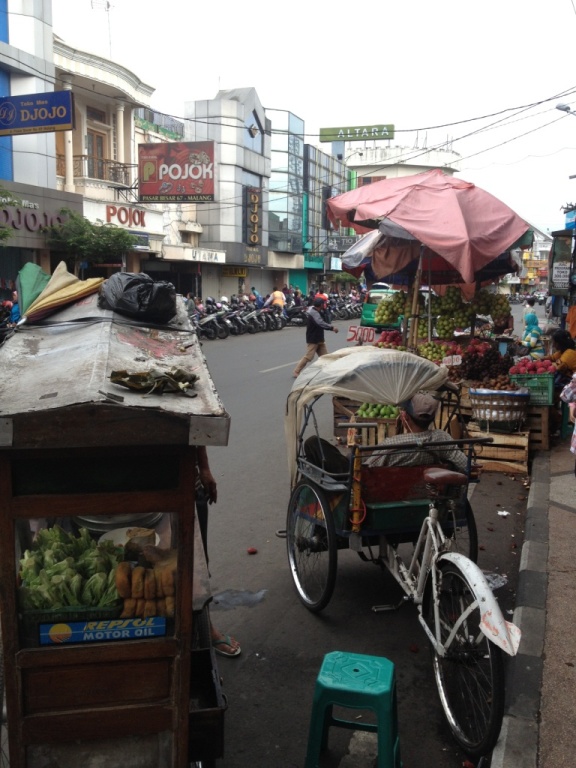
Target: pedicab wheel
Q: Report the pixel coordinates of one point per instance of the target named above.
(462, 531)
(311, 545)
(470, 674)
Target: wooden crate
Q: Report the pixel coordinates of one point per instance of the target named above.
(539, 427)
(507, 452)
(345, 411)
(537, 423)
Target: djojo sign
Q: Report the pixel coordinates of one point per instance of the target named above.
(252, 216)
(36, 113)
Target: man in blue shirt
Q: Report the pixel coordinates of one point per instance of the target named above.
(15, 311)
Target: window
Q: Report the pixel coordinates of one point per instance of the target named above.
(97, 115)
(96, 155)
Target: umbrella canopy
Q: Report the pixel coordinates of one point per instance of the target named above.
(30, 283)
(381, 257)
(456, 220)
(62, 288)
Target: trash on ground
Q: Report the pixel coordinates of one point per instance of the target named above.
(496, 580)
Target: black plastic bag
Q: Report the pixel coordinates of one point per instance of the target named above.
(138, 295)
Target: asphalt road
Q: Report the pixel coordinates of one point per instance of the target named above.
(270, 686)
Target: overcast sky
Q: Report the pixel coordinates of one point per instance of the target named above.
(484, 77)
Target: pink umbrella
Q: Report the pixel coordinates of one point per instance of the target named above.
(455, 219)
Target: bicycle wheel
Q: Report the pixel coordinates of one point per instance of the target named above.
(311, 545)
(461, 529)
(470, 674)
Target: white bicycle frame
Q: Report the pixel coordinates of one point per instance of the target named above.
(433, 547)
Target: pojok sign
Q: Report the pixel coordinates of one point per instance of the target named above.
(176, 172)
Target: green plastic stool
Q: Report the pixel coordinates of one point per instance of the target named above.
(355, 681)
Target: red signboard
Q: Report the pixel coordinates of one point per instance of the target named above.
(176, 172)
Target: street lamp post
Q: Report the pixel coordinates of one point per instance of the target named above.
(565, 108)
(569, 111)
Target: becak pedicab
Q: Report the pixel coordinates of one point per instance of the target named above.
(352, 500)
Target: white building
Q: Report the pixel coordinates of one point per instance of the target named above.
(376, 163)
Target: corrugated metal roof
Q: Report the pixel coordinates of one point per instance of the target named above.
(66, 360)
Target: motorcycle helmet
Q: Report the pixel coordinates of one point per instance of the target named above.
(218, 305)
(209, 300)
(224, 300)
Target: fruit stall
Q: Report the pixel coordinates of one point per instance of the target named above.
(507, 398)
(104, 588)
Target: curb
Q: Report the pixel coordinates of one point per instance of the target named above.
(518, 742)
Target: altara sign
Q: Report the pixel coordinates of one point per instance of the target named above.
(357, 133)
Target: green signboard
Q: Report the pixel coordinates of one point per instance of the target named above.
(357, 133)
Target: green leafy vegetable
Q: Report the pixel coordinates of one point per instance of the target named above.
(63, 570)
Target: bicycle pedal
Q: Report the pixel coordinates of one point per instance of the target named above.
(382, 608)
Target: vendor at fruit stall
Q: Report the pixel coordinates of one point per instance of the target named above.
(503, 325)
(531, 343)
(563, 356)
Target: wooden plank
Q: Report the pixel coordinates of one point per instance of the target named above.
(510, 439)
(115, 722)
(508, 453)
(513, 467)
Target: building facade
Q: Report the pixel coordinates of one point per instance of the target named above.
(267, 216)
(264, 227)
(30, 198)
(99, 160)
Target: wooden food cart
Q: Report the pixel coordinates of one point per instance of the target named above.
(84, 686)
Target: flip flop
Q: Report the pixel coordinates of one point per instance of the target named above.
(226, 640)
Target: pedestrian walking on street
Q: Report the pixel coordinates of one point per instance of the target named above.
(568, 395)
(314, 335)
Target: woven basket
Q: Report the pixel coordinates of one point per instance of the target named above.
(499, 410)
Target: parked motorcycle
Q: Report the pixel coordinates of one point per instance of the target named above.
(224, 325)
(206, 326)
(296, 316)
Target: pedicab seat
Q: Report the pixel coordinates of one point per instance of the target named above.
(324, 464)
(397, 499)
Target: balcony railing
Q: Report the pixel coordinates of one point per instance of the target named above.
(95, 168)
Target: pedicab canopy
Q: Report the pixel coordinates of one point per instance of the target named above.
(90, 377)
(363, 374)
